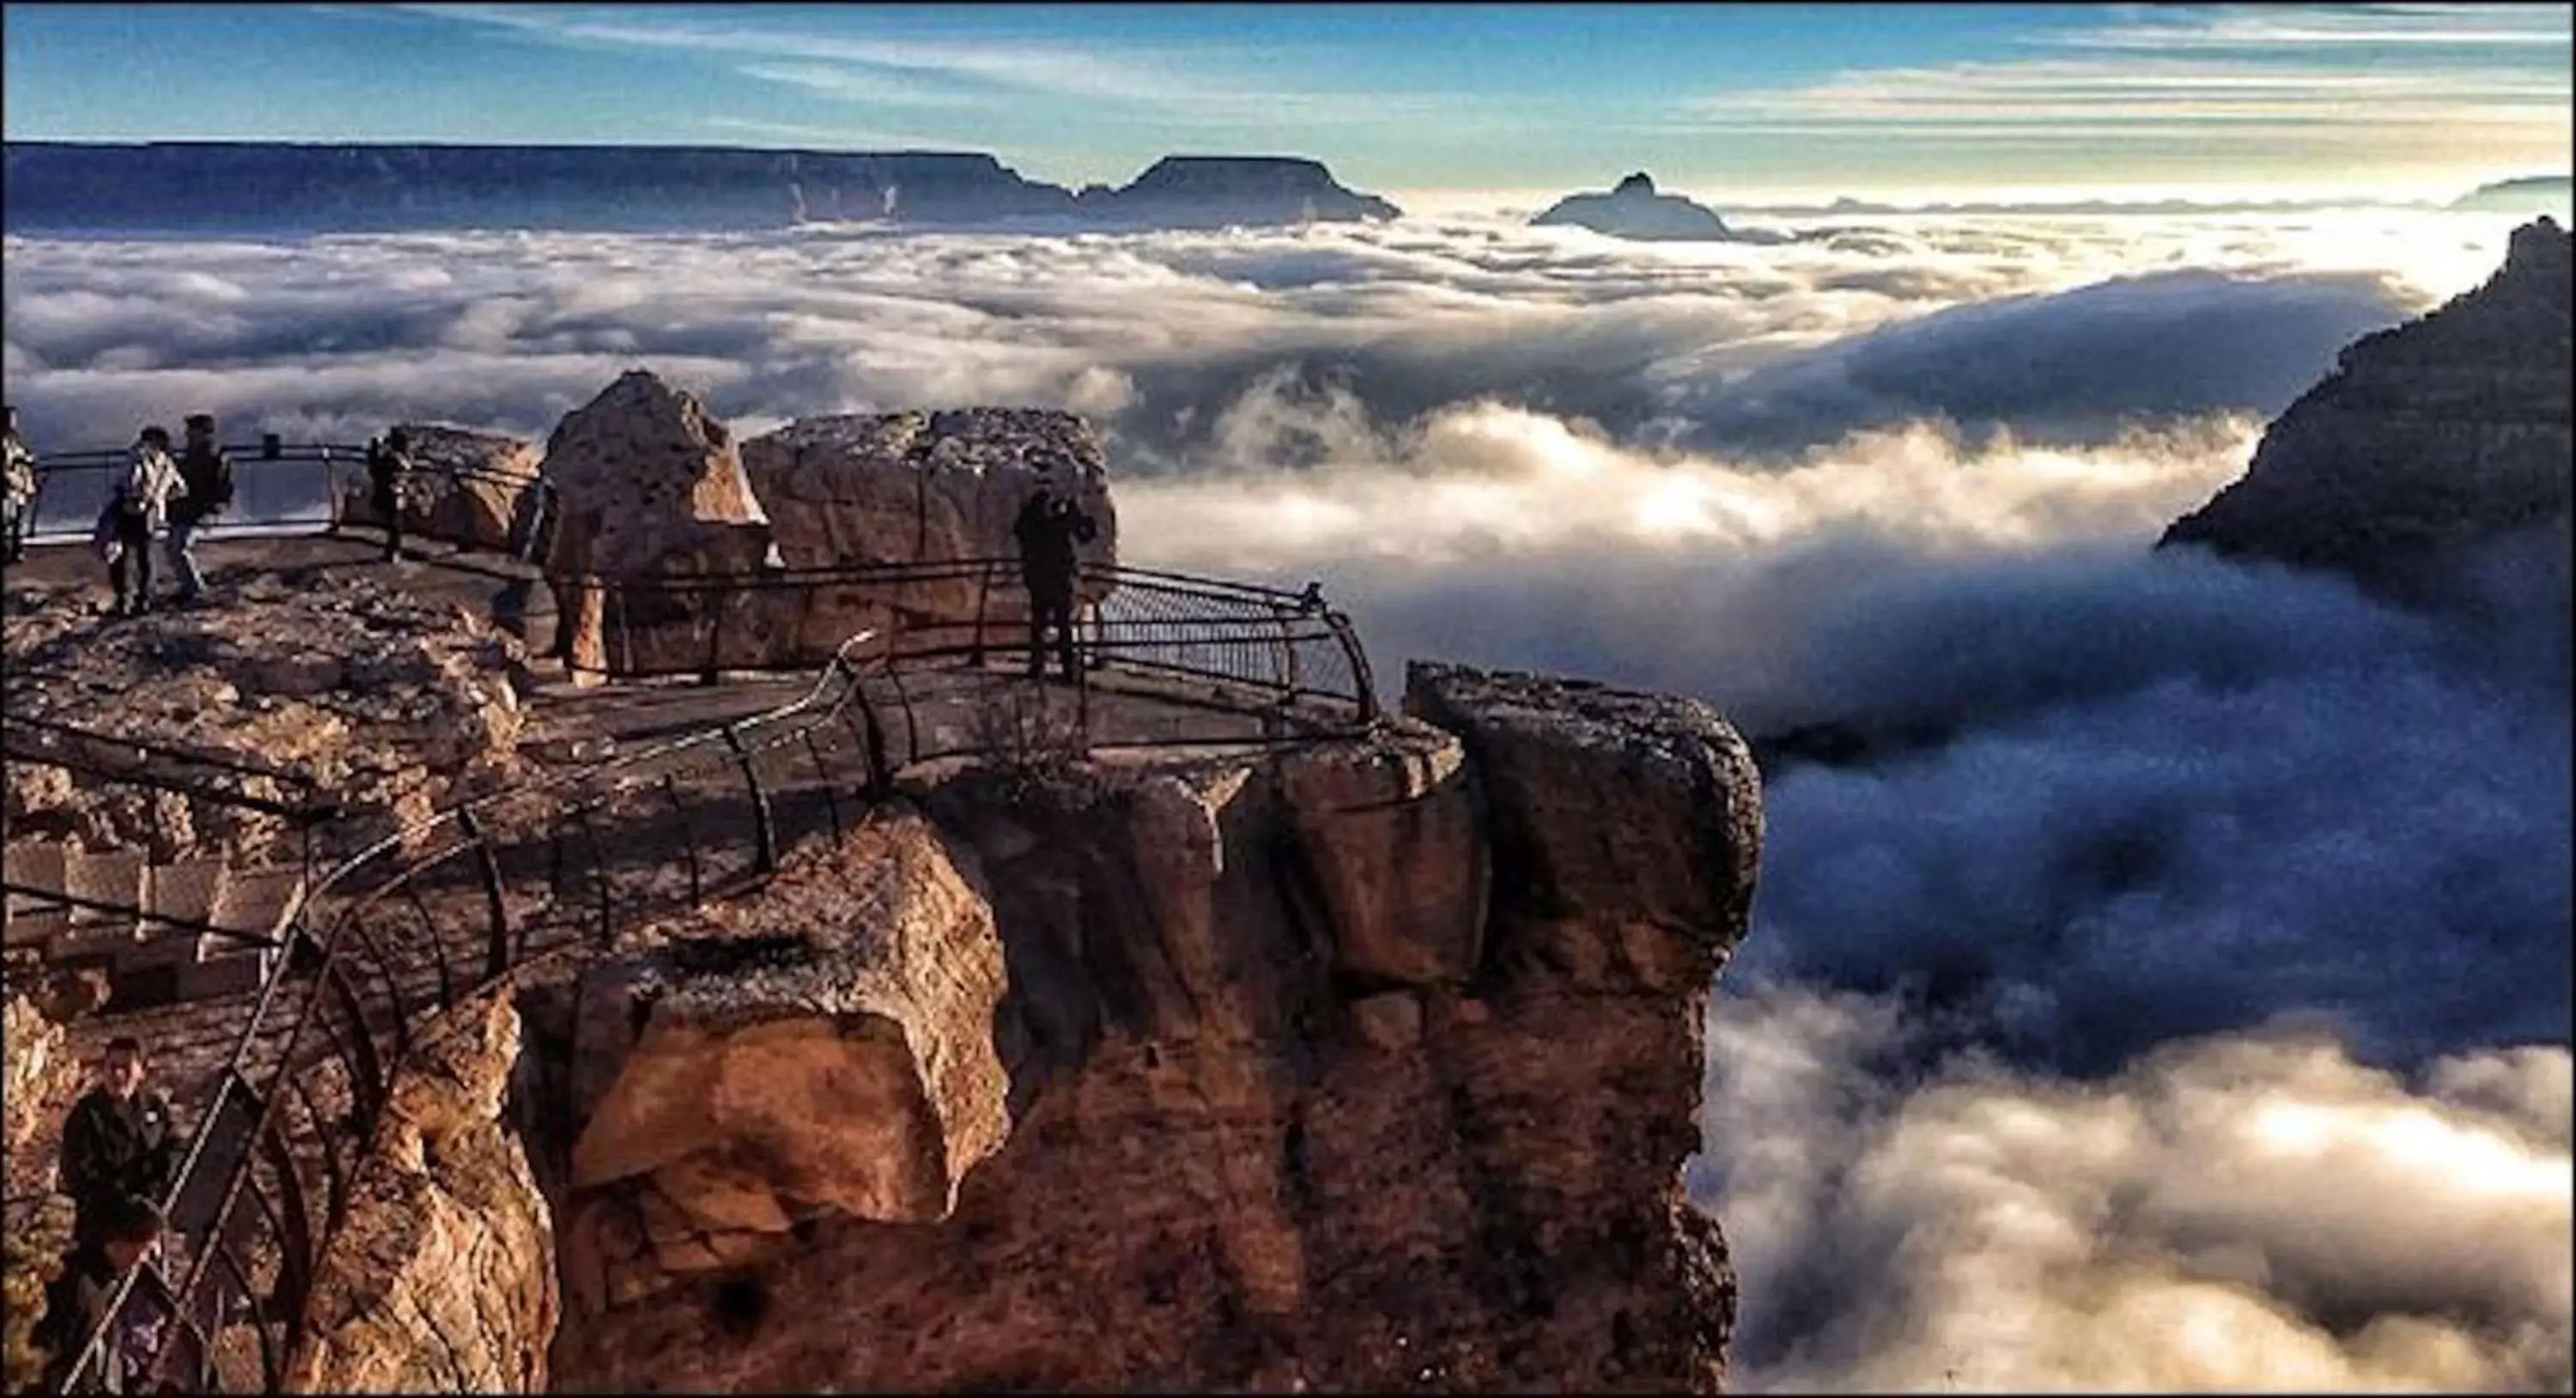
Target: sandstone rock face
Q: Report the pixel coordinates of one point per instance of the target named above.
(645, 481)
(2436, 435)
(391, 705)
(828, 1049)
(1394, 835)
(468, 488)
(1275, 1120)
(442, 1278)
(912, 487)
(32, 1071)
(1633, 815)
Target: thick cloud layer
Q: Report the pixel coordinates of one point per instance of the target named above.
(1176, 340)
(2178, 887)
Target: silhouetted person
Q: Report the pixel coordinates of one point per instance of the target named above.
(118, 1142)
(127, 1231)
(206, 470)
(389, 468)
(17, 490)
(135, 512)
(1048, 528)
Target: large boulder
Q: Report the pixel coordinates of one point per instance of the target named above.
(922, 488)
(844, 1066)
(646, 481)
(2440, 434)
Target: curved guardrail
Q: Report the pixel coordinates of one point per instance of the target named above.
(1289, 648)
(302, 1102)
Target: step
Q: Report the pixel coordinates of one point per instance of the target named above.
(225, 967)
(260, 902)
(186, 892)
(34, 864)
(31, 924)
(114, 877)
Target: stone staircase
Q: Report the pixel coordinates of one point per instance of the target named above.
(157, 930)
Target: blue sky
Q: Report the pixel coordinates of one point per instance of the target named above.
(1732, 102)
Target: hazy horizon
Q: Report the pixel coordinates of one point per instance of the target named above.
(1730, 103)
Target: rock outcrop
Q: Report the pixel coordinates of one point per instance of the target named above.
(33, 1072)
(1634, 210)
(911, 487)
(443, 1278)
(389, 705)
(467, 488)
(2427, 439)
(645, 481)
(750, 1078)
(1284, 1100)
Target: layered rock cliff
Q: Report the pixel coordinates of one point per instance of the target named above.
(215, 186)
(1369, 1064)
(2427, 439)
(1635, 210)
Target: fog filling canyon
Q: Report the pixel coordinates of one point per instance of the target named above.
(2190, 1011)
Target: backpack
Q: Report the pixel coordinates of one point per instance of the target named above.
(214, 479)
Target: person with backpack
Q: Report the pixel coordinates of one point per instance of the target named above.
(17, 490)
(206, 472)
(138, 508)
(389, 469)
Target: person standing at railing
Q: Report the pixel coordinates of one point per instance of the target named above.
(1048, 528)
(206, 470)
(389, 468)
(119, 1141)
(138, 509)
(17, 489)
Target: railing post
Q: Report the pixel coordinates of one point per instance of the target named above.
(497, 955)
(765, 852)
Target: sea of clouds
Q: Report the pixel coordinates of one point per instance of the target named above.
(2189, 1009)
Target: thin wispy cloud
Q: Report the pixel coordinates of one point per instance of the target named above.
(1205, 84)
(2293, 79)
(2441, 26)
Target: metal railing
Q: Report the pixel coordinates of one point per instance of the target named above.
(301, 1105)
(1273, 649)
(287, 486)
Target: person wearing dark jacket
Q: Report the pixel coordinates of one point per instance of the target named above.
(206, 471)
(1048, 529)
(77, 1299)
(119, 1141)
(389, 467)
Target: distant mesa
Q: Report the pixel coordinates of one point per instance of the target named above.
(1635, 210)
(1192, 191)
(2532, 194)
(2441, 434)
(208, 186)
